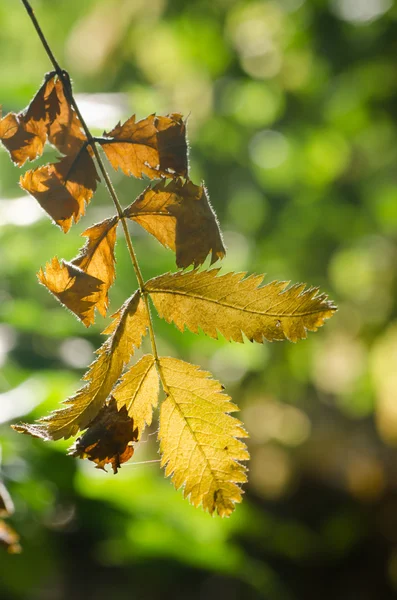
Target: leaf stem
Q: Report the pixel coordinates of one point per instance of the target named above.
(91, 141)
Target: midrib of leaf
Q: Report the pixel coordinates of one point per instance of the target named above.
(234, 307)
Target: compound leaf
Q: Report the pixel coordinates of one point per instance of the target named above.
(109, 438)
(180, 216)
(64, 188)
(198, 438)
(125, 333)
(138, 392)
(234, 305)
(97, 259)
(155, 147)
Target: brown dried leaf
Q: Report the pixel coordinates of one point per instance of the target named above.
(155, 146)
(64, 188)
(138, 392)
(233, 305)
(180, 216)
(125, 334)
(198, 438)
(65, 130)
(9, 538)
(97, 259)
(77, 290)
(108, 439)
(6, 503)
(24, 134)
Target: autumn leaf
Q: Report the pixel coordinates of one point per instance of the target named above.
(109, 438)
(155, 147)
(180, 216)
(198, 438)
(138, 392)
(6, 503)
(64, 188)
(65, 130)
(233, 305)
(24, 134)
(9, 538)
(97, 259)
(77, 290)
(125, 333)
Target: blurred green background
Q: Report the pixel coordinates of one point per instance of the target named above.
(292, 126)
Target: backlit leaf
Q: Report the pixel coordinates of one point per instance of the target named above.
(198, 438)
(65, 130)
(155, 147)
(64, 188)
(138, 392)
(180, 216)
(6, 503)
(78, 291)
(97, 259)
(125, 333)
(109, 438)
(233, 305)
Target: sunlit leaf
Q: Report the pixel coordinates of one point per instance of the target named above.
(233, 305)
(155, 147)
(180, 216)
(6, 503)
(138, 391)
(198, 438)
(64, 188)
(9, 538)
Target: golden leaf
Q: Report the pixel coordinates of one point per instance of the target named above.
(24, 134)
(198, 438)
(65, 130)
(77, 290)
(233, 305)
(109, 438)
(138, 391)
(9, 538)
(125, 333)
(155, 147)
(63, 188)
(180, 216)
(97, 259)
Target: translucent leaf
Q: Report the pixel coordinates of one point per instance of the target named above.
(155, 147)
(180, 216)
(78, 291)
(233, 305)
(198, 438)
(138, 391)
(125, 333)
(97, 259)
(64, 188)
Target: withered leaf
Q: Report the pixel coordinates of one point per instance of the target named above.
(109, 438)
(9, 538)
(6, 503)
(65, 130)
(180, 216)
(64, 188)
(97, 259)
(198, 438)
(138, 392)
(80, 292)
(233, 305)
(155, 147)
(24, 134)
(125, 334)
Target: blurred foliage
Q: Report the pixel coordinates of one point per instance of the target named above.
(292, 125)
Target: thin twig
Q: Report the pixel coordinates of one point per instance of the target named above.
(91, 140)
